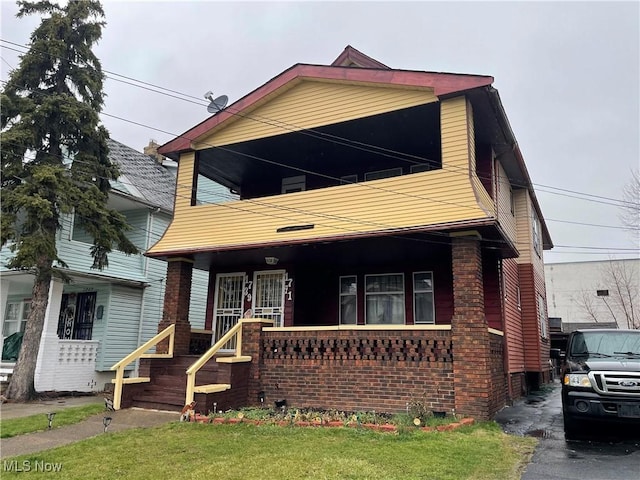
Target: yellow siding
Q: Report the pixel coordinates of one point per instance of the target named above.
(524, 242)
(311, 104)
(437, 197)
(428, 198)
(506, 219)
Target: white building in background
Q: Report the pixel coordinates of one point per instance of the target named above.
(595, 292)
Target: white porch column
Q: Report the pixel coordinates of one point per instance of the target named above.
(4, 295)
(48, 352)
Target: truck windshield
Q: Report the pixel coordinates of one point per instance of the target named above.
(606, 343)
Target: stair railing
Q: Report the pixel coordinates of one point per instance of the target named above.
(139, 352)
(235, 331)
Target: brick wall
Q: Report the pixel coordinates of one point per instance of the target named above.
(359, 370)
(176, 306)
(469, 331)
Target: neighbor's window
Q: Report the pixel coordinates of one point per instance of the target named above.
(348, 300)
(537, 234)
(423, 305)
(15, 317)
(384, 295)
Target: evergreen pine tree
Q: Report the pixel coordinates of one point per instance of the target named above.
(55, 159)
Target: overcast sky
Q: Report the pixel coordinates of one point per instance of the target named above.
(568, 74)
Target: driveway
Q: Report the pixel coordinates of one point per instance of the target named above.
(605, 454)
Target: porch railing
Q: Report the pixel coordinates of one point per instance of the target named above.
(139, 352)
(235, 333)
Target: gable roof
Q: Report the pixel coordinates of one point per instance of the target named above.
(441, 83)
(141, 176)
(350, 57)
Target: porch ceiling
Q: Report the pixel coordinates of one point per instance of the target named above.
(328, 152)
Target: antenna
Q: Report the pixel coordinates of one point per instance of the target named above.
(217, 104)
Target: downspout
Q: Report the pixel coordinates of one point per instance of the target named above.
(145, 271)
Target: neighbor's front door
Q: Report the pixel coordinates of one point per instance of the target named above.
(268, 297)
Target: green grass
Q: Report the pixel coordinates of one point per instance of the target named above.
(34, 423)
(248, 452)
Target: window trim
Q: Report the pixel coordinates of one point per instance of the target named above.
(433, 298)
(542, 317)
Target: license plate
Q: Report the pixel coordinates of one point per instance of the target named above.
(629, 411)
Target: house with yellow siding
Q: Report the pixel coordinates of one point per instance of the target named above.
(386, 247)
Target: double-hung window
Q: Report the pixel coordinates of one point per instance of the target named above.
(15, 317)
(384, 299)
(423, 304)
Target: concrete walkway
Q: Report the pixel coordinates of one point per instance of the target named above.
(92, 426)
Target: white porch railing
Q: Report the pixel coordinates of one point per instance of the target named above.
(139, 352)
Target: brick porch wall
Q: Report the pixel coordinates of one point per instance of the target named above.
(359, 370)
(498, 394)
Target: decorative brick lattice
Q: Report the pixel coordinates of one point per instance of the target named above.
(396, 349)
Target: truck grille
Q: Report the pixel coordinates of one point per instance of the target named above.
(616, 383)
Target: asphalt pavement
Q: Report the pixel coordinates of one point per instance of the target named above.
(601, 454)
(58, 436)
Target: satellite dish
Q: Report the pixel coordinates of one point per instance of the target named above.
(217, 104)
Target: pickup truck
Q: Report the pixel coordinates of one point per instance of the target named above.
(601, 379)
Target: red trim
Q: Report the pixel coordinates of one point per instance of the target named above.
(442, 83)
(352, 55)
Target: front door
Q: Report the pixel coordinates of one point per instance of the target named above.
(268, 298)
(228, 305)
(76, 316)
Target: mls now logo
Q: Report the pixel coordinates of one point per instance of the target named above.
(30, 466)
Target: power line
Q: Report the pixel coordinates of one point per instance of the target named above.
(324, 136)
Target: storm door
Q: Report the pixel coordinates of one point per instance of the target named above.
(76, 316)
(268, 298)
(228, 305)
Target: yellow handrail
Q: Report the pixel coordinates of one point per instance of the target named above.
(138, 353)
(193, 369)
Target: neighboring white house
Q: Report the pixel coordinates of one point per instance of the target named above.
(101, 316)
(595, 292)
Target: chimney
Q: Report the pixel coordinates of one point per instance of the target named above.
(152, 150)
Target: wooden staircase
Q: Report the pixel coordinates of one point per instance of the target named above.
(167, 387)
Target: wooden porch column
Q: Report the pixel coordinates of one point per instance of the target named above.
(176, 305)
(469, 331)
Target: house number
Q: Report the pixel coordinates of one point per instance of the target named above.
(287, 288)
(246, 292)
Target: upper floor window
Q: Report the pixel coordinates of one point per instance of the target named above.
(294, 184)
(536, 233)
(390, 172)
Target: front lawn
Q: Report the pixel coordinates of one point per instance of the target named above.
(34, 423)
(247, 452)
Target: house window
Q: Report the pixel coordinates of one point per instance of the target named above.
(423, 304)
(346, 179)
(391, 172)
(542, 316)
(420, 167)
(518, 300)
(15, 317)
(348, 300)
(384, 299)
(537, 237)
(294, 184)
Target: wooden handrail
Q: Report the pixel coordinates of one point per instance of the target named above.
(236, 331)
(138, 353)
